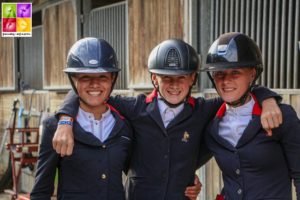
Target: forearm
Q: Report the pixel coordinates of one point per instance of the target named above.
(262, 93)
(70, 105)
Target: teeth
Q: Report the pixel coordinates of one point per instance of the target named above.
(228, 89)
(94, 93)
(174, 93)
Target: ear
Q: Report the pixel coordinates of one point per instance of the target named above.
(253, 73)
(193, 78)
(154, 79)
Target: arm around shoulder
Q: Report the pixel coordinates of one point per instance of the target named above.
(71, 101)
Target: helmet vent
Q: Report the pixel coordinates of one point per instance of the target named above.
(222, 49)
(172, 59)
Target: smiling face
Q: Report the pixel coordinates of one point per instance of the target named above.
(93, 89)
(233, 83)
(173, 89)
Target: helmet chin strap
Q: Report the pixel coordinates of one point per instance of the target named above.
(241, 100)
(115, 74)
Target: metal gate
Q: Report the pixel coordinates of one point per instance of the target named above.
(110, 23)
(274, 25)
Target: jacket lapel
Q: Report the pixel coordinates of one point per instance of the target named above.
(215, 134)
(251, 130)
(82, 136)
(184, 114)
(154, 113)
(118, 126)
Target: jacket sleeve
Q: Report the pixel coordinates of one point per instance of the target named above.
(262, 93)
(70, 105)
(290, 141)
(204, 155)
(125, 105)
(211, 106)
(47, 163)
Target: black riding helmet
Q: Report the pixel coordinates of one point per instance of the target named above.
(234, 50)
(173, 57)
(91, 55)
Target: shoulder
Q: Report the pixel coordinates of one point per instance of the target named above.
(290, 118)
(287, 111)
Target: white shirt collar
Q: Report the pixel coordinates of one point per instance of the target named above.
(242, 110)
(99, 128)
(167, 113)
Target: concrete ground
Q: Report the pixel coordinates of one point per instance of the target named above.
(4, 196)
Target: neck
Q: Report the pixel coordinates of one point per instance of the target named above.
(239, 102)
(97, 110)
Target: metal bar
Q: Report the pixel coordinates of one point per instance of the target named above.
(226, 17)
(277, 49)
(296, 54)
(212, 21)
(237, 15)
(283, 45)
(232, 16)
(217, 20)
(221, 18)
(253, 15)
(270, 44)
(289, 47)
(247, 20)
(242, 17)
(264, 40)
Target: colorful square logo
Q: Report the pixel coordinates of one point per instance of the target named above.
(16, 19)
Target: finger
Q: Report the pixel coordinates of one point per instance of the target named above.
(276, 120)
(70, 148)
(58, 147)
(280, 116)
(270, 122)
(63, 149)
(269, 132)
(54, 142)
(191, 196)
(264, 122)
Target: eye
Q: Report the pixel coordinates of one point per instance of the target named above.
(218, 74)
(235, 73)
(84, 79)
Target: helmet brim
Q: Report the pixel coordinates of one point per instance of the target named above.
(224, 66)
(171, 72)
(90, 70)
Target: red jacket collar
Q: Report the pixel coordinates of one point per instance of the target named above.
(115, 110)
(256, 108)
(154, 94)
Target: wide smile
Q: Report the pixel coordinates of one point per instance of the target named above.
(94, 93)
(228, 90)
(173, 92)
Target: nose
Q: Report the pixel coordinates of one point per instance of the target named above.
(174, 84)
(94, 82)
(227, 77)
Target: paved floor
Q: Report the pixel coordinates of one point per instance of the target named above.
(4, 196)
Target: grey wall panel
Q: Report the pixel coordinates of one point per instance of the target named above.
(31, 60)
(110, 23)
(274, 25)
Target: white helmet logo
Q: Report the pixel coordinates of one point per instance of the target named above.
(93, 62)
